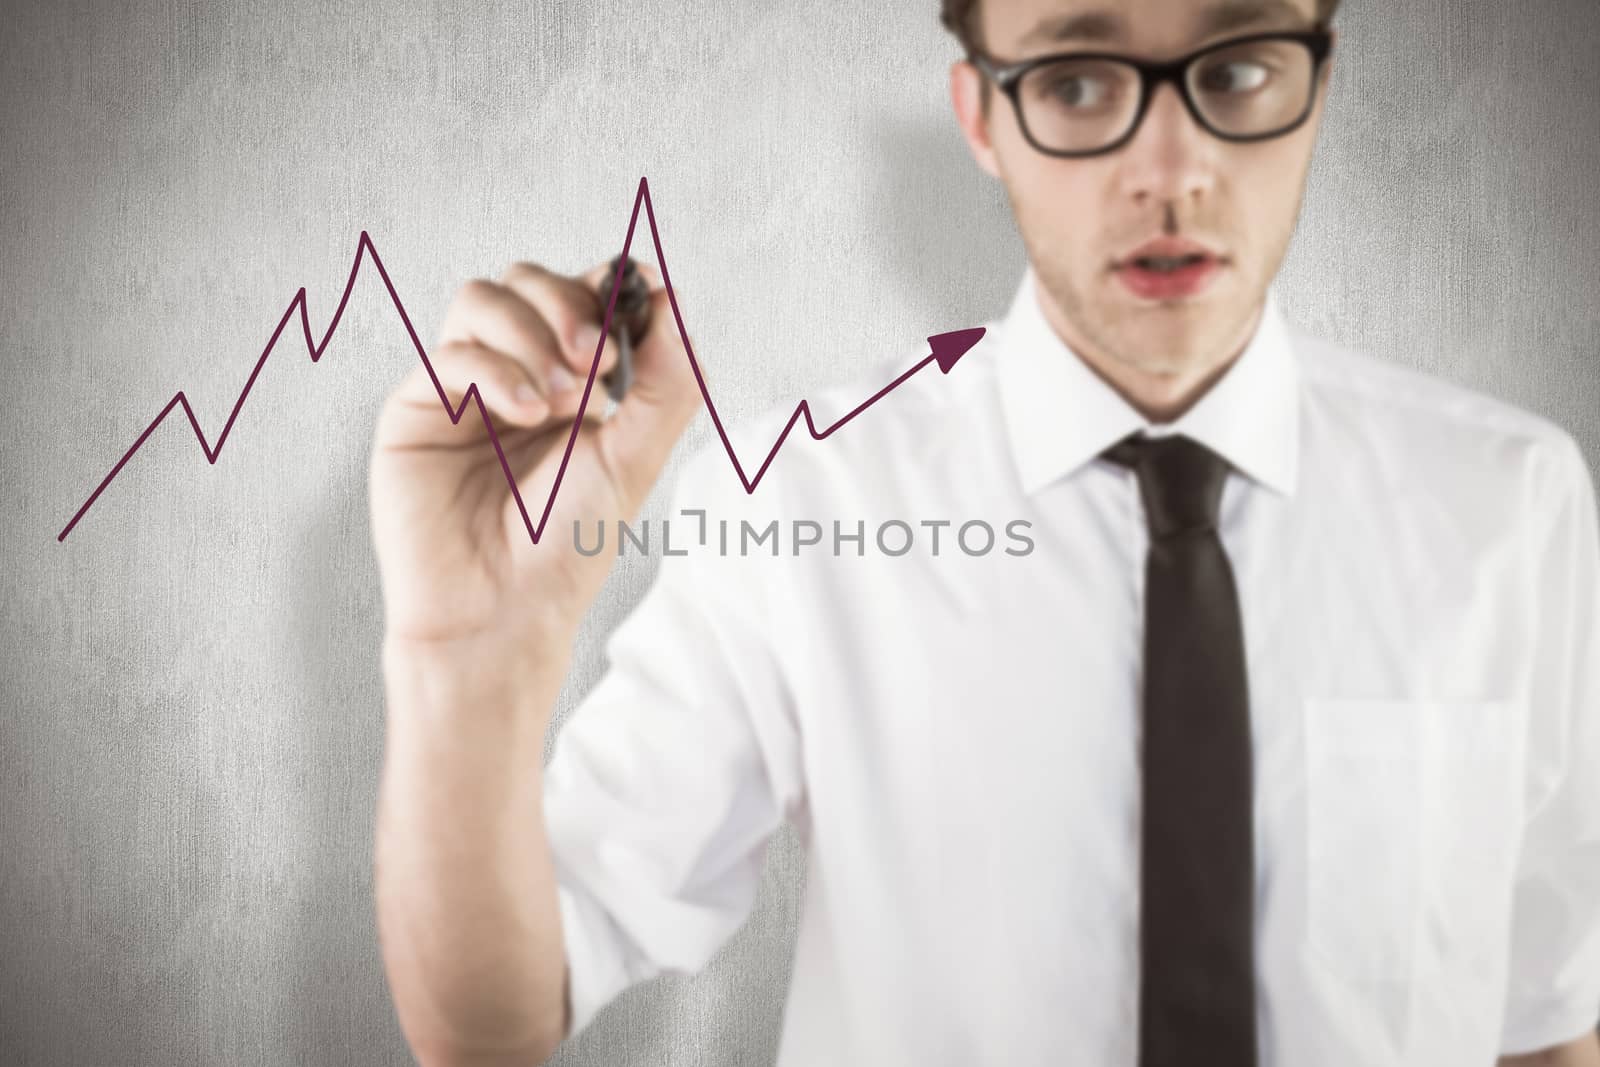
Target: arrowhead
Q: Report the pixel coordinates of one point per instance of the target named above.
(949, 347)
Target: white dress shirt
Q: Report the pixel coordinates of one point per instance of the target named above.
(955, 736)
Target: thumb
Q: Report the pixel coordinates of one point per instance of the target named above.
(662, 399)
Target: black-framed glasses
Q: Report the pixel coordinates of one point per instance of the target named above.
(1075, 104)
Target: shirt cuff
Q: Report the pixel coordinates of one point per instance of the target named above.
(1536, 1025)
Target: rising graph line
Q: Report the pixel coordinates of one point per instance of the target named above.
(946, 349)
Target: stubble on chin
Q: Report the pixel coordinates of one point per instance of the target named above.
(1158, 341)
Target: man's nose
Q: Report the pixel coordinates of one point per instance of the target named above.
(1171, 157)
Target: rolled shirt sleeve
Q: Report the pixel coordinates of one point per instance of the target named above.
(1554, 975)
(670, 776)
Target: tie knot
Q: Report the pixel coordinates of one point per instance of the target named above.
(1180, 480)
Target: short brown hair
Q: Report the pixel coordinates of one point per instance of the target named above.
(960, 17)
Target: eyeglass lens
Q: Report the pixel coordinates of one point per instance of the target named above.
(1246, 90)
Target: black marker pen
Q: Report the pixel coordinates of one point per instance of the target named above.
(629, 321)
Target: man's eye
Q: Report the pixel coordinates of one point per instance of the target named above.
(1079, 92)
(1237, 77)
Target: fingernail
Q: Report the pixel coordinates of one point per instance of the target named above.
(561, 379)
(587, 339)
(527, 394)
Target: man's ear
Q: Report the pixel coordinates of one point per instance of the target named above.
(966, 96)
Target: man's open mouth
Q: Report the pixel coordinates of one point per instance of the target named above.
(1166, 270)
(1169, 264)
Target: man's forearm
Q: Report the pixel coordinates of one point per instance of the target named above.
(465, 888)
(1584, 1052)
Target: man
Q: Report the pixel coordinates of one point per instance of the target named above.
(1280, 744)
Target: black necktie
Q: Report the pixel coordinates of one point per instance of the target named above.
(1197, 877)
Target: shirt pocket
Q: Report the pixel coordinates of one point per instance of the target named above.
(1364, 807)
(1412, 830)
(1413, 816)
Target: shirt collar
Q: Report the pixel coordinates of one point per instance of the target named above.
(1060, 414)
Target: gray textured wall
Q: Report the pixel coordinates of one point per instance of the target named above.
(190, 707)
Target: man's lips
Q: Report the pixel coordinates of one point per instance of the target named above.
(1167, 248)
(1168, 268)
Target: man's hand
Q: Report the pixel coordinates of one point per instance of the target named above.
(453, 549)
(480, 622)
(1582, 1052)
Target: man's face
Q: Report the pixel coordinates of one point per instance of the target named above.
(1081, 219)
